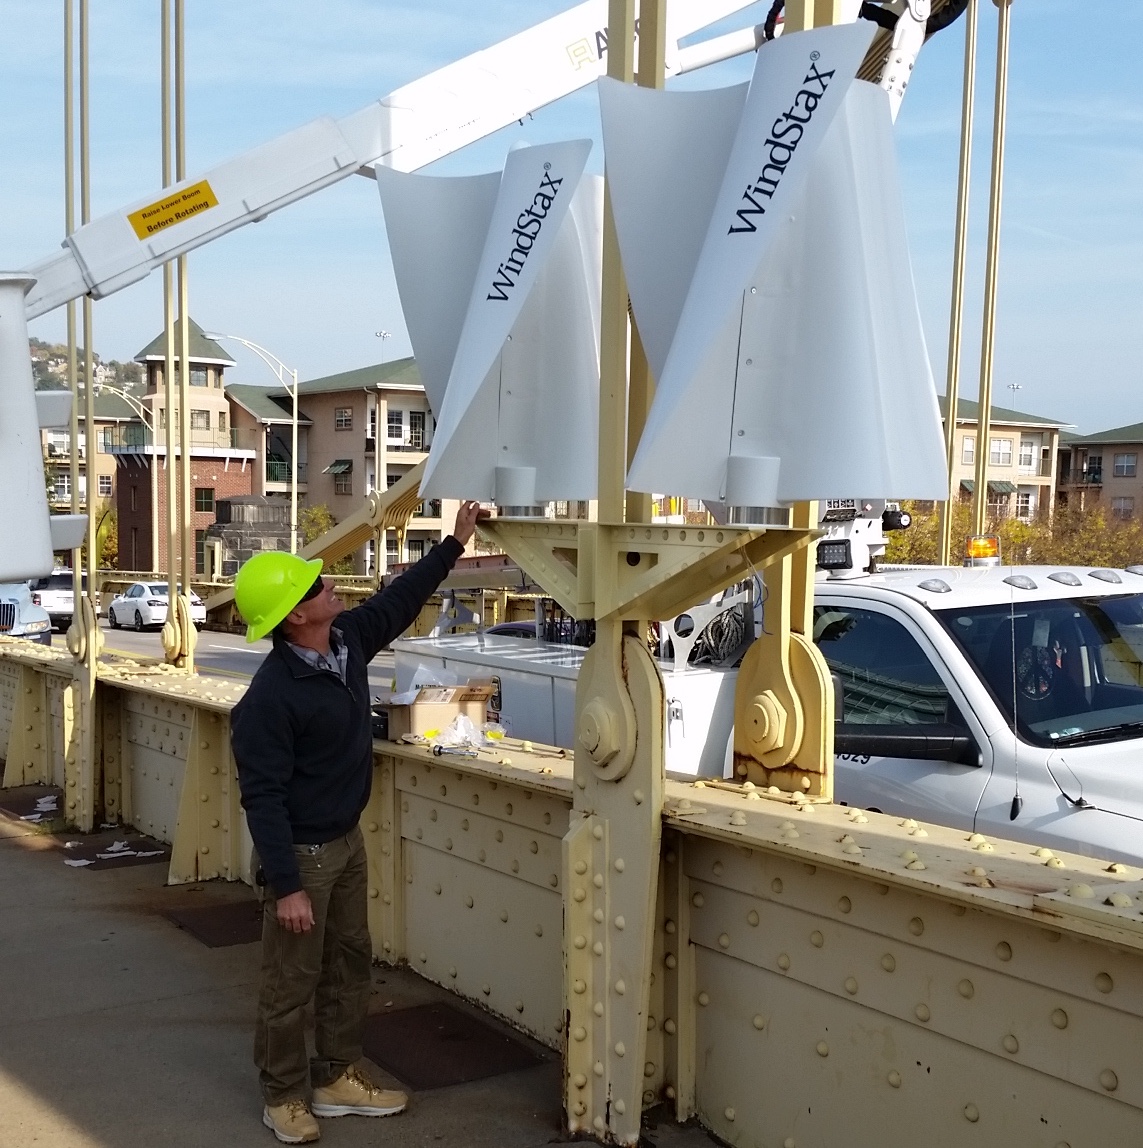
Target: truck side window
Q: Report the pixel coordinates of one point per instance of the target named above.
(888, 678)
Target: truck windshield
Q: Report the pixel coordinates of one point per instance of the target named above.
(1069, 672)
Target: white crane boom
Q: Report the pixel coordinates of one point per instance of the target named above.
(421, 122)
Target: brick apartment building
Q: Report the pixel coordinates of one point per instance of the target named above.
(340, 454)
(1022, 451)
(222, 464)
(1103, 468)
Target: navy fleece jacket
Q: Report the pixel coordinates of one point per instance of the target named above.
(303, 741)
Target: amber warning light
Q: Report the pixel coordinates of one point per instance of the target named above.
(982, 550)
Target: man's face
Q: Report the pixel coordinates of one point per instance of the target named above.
(322, 608)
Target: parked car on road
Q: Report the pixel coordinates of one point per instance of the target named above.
(144, 604)
(20, 617)
(56, 593)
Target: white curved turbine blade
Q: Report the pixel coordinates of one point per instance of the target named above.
(798, 85)
(436, 229)
(533, 200)
(545, 380)
(666, 155)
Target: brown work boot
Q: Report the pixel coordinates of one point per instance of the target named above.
(354, 1094)
(291, 1122)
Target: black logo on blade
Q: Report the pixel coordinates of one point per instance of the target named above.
(785, 134)
(529, 224)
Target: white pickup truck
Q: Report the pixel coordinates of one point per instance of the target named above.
(965, 695)
(1004, 700)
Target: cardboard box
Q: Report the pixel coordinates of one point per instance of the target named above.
(435, 707)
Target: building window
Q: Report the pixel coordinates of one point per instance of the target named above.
(197, 376)
(417, 430)
(204, 498)
(396, 425)
(222, 422)
(1123, 508)
(63, 486)
(416, 549)
(1024, 504)
(1000, 452)
(104, 486)
(163, 418)
(392, 553)
(199, 551)
(391, 479)
(134, 497)
(103, 439)
(1125, 465)
(343, 418)
(134, 546)
(968, 450)
(1027, 453)
(343, 483)
(200, 420)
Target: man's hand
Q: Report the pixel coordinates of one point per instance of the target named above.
(295, 912)
(469, 514)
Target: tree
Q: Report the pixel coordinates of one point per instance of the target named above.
(313, 522)
(1072, 537)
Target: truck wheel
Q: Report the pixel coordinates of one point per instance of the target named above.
(111, 621)
(138, 622)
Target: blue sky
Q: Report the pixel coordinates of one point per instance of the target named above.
(314, 283)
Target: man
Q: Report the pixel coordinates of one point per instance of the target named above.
(302, 738)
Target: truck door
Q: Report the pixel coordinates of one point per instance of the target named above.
(904, 742)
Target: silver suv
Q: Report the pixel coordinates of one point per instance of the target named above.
(20, 617)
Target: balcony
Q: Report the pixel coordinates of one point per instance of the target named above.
(407, 446)
(1041, 469)
(277, 471)
(430, 508)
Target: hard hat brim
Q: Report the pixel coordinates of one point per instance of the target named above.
(268, 621)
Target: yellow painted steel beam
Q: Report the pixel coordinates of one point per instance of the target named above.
(649, 571)
(383, 510)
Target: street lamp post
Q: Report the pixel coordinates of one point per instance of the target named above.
(283, 372)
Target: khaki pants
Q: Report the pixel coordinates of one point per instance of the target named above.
(329, 965)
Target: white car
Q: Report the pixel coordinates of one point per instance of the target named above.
(145, 604)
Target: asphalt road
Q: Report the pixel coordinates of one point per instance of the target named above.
(224, 655)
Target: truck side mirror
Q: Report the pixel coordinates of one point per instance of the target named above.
(838, 696)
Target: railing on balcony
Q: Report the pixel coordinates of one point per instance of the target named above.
(277, 471)
(430, 508)
(416, 445)
(134, 438)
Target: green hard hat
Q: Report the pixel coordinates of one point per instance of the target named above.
(269, 586)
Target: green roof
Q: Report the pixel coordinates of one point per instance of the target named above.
(202, 349)
(398, 373)
(266, 404)
(1131, 433)
(107, 405)
(968, 410)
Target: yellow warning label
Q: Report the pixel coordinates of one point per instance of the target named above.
(173, 209)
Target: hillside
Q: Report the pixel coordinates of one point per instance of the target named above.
(49, 368)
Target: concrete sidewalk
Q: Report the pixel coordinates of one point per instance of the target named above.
(120, 1030)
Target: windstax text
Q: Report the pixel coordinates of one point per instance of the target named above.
(785, 134)
(529, 223)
